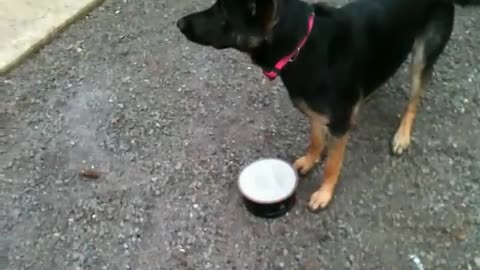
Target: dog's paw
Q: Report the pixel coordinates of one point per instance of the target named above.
(304, 164)
(320, 198)
(401, 142)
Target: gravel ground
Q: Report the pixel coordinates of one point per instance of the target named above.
(168, 124)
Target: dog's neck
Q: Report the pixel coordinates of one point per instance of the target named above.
(286, 35)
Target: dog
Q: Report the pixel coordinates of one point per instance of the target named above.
(331, 58)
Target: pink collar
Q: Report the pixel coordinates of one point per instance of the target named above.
(272, 74)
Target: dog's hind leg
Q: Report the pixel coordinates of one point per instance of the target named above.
(428, 46)
(420, 77)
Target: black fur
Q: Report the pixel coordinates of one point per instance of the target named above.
(467, 2)
(351, 51)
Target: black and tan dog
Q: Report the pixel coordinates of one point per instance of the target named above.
(330, 59)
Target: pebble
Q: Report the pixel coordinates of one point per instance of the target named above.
(476, 260)
(461, 236)
(178, 166)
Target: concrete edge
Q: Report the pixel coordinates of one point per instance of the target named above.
(35, 47)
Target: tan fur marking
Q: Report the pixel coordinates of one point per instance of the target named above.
(333, 166)
(318, 136)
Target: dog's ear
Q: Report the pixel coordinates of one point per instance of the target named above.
(268, 12)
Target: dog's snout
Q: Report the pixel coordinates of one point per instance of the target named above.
(182, 24)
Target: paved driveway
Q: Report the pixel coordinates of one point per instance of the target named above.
(168, 125)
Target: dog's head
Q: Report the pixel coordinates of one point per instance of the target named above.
(238, 24)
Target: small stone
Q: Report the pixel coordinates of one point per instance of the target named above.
(178, 166)
(351, 258)
(443, 262)
(76, 256)
(461, 236)
(298, 257)
(476, 260)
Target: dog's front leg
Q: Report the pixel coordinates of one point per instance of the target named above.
(333, 166)
(318, 132)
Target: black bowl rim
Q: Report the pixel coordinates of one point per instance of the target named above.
(274, 201)
(260, 210)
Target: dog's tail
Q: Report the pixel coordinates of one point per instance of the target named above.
(467, 2)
